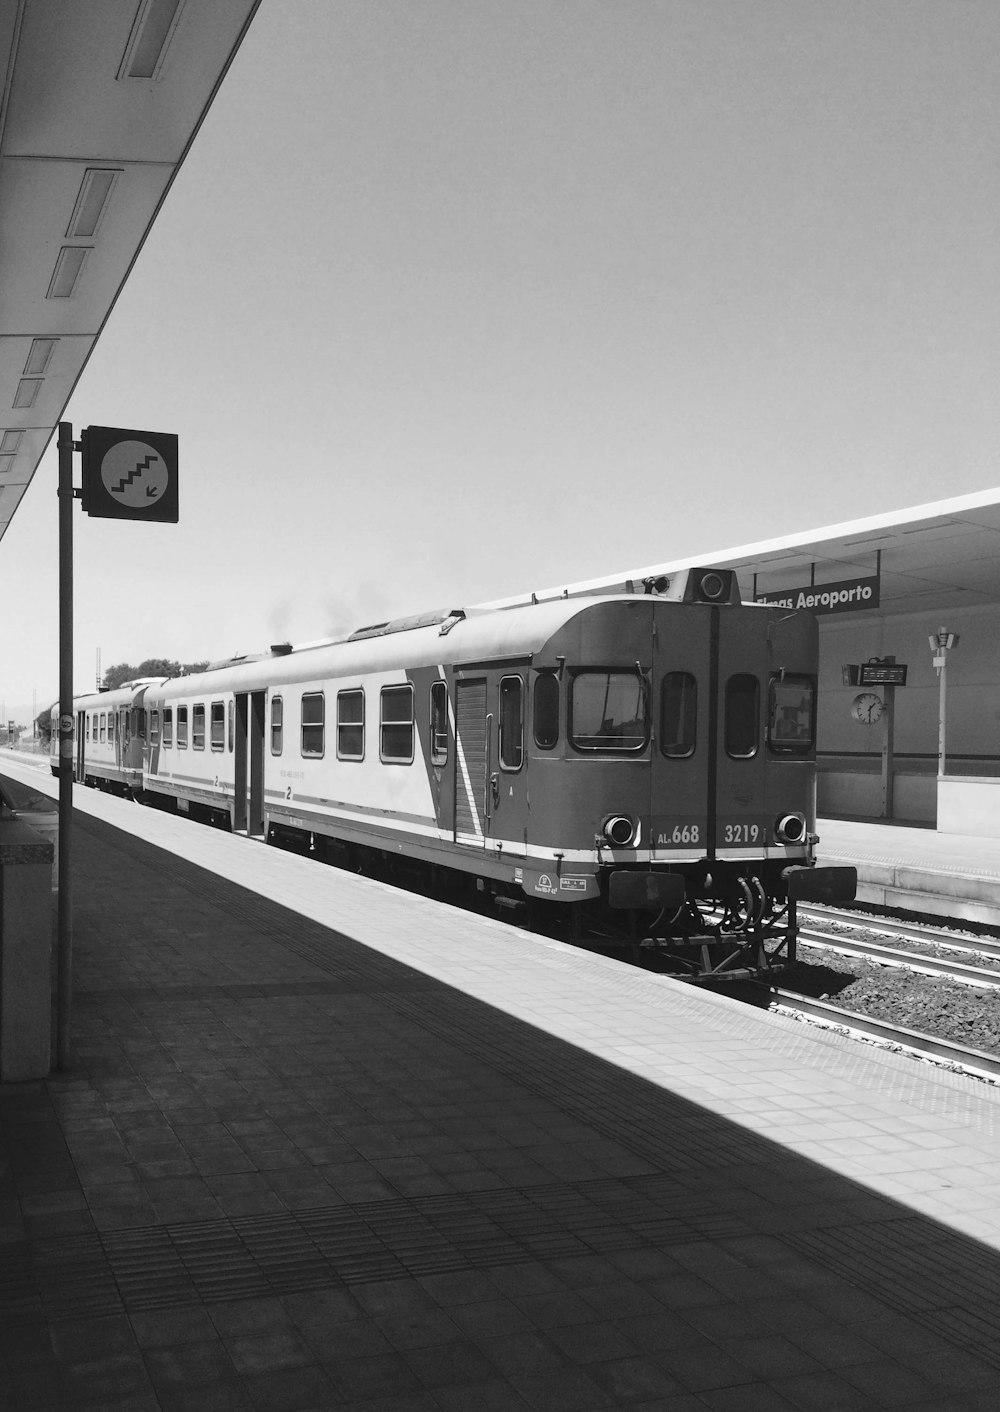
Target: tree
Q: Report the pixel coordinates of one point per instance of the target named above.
(43, 723)
(149, 667)
(158, 667)
(114, 676)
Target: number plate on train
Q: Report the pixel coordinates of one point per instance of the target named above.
(679, 833)
(741, 833)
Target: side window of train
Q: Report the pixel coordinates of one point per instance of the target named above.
(545, 713)
(791, 714)
(104, 727)
(277, 722)
(511, 723)
(154, 727)
(198, 726)
(313, 724)
(439, 723)
(182, 727)
(396, 725)
(218, 725)
(678, 715)
(742, 727)
(608, 711)
(141, 722)
(351, 725)
(168, 726)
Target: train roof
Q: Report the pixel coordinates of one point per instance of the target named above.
(125, 695)
(428, 639)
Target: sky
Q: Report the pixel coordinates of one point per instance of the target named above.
(453, 299)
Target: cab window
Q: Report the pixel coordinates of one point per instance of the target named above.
(791, 715)
(678, 715)
(439, 723)
(608, 711)
(742, 724)
(545, 710)
(511, 723)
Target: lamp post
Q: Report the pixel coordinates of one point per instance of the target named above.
(941, 643)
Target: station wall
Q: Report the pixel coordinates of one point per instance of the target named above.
(850, 754)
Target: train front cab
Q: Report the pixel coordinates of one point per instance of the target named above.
(670, 780)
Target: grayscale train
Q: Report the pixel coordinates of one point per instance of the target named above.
(642, 764)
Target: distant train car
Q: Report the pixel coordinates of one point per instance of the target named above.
(646, 762)
(109, 735)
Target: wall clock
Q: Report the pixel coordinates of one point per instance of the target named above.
(867, 708)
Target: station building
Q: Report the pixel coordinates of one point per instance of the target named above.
(901, 598)
(883, 589)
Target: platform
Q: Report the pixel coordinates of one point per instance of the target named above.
(328, 1145)
(918, 870)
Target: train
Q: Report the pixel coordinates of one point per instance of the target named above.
(638, 765)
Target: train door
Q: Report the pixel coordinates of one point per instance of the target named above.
(742, 824)
(490, 803)
(708, 767)
(506, 802)
(248, 801)
(472, 730)
(82, 722)
(684, 726)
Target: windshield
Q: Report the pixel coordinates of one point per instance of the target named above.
(608, 711)
(791, 718)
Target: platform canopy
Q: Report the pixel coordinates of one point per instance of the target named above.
(942, 555)
(101, 100)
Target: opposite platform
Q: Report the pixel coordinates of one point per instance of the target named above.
(918, 870)
(330, 1145)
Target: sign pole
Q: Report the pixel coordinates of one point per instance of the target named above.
(888, 742)
(64, 944)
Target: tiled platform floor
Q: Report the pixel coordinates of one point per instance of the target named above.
(324, 1145)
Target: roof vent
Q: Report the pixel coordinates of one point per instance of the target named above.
(280, 649)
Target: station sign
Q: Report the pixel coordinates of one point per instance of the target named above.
(129, 475)
(882, 674)
(847, 596)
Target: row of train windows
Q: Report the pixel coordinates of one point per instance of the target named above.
(610, 712)
(101, 728)
(169, 727)
(190, 729)
(607, 711)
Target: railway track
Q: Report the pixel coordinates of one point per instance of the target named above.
(924, 1046)
(917, 1006)
(924, 962)
(904, 931)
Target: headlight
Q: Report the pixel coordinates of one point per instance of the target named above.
(619, 830)
(791, 828)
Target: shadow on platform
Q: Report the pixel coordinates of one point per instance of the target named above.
(287, 1171)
